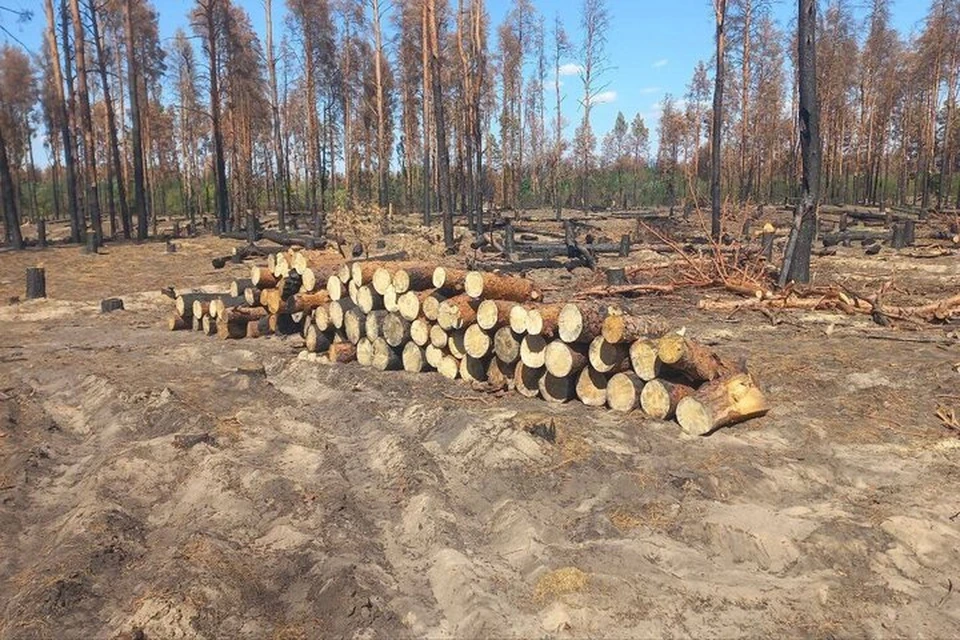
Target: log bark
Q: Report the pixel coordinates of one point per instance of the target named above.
(242, 314)
(659, 398)
(342, 353)
(177, 323)
(316, 341)
(563, 360)
(237, 287)
(414, 277)
(476, 342)
(493, 314)
(694, 361)
(457, 312)
(623, 391)
(305, 302)
(543, 320)
(556, 389)
(480, 284)
(527, 380)
(644, 359)
(184, 302)
(231, 330)
(721, 402)
(449, 280)
(500, 374)
(608, 357)
(263, 278)
(580, 322)
(251, 295)
(533, 351)
(111, 304)
(592, 387)
(474, 369)
(621, 327)
(283, 324)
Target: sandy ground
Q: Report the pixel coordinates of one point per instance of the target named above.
(165, 485)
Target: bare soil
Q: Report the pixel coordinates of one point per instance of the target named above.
(165, 485)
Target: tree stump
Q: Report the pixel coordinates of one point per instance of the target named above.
(616, 277)
(36, 283)
(42, 233)
(625, 245)
(111, 304)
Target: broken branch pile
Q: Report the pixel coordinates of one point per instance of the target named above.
(480, 327)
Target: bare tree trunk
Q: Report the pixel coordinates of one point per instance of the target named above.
(443, 153)
(86, 123)
(716, 133)
(8, 198)
(65, 135)
(281, 183)
(139, 186)
(383, 154)
(125, 220)
(796, 259)
(427, 138)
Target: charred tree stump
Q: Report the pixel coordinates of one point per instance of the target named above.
(111, 304)
(616, 277)
(36, 283)
(42, 233)
(898, 237)
(766, 242)
(625, 245)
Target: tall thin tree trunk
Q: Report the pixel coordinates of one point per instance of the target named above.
(282, 184)
(427, 138)
(86, 123)
(716, 134)
(443, 153)
(8, 198)
(139, 187)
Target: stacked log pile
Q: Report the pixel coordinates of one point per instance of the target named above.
(481, 328)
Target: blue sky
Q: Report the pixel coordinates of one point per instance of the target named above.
(653, 45)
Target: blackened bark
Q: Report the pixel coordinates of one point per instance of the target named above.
(716, 133)
(8, 198)
(136, 142)
(86, 124)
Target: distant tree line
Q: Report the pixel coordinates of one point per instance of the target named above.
(422, 105)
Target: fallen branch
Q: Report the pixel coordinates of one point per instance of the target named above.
(625, 290)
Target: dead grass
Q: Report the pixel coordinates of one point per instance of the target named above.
(560, 582)
(652, 515)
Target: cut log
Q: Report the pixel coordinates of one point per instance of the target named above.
(608, 357)
(271, 299)
(237, 287)
(449, 280)
(580, 322)
(218, 307)
(592, 387)
(354, 325)
(416, 277)
(533, 351)
(493, 314)
(500, 374)
(474, 369)
(283, 324)
(342, 352)
(623, 391)
(457, 312)
(263, 278)
(231, 330)
(382, 278)
(409, 303)
(556, 389)
(316, 341)
(439, 337)
(542, 320)
(721, 402)
(449, 367)
(414, 359)
(385, 357)
(644, 359)
(177, 323)
(108, 305)
(476, 341)
(518, 319)
(659, 398)
(335, 287)
(420, 332)
(563, 360)
(365, 352)
(430, 305)
(506, 345)
(369, 300)
(321, 317)
(209, 326)
(254, 328)
(479, 284)
(242, 314)
(433, 355)
(344, 273)
(621, 327)
(305, 302)
(197, 323)
(527, 380)
(251, 295)
(374, 323)
(337, 309)
(694, 361)
(455, 344)
(362, 272)
(395, 330)
(184, 302)
(391, 300)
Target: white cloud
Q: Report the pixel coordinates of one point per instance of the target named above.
(570, 69)
(649, 90)
(659, 64)
(604, 97)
